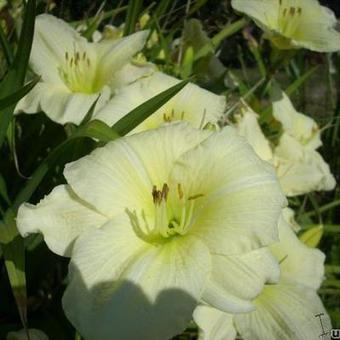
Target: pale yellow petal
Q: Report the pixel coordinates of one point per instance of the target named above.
(214, 324)
(61, 217)
(285, 312)
(116, 277)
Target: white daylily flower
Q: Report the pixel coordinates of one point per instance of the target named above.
(283, 311)
(294, 23)
(299, 169)
(192, 103)
(247, 125)
(299, 126)
(158, 214)
(74, 72)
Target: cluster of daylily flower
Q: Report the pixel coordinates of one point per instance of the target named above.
(182, 218)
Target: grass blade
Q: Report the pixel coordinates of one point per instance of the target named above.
(15, 77)
(16, 96)
(133, 12)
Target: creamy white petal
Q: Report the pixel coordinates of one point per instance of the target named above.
(113, 56)
(265, 12)
(245, 275)
(317, 29)
(247, 125)
(285, 312)
(301, 127)
(238, 198)
(122, 174)
(214, 324)
(299, 263)
(129, 73)
(119, 277)
(193, 104)
(61, 217)
(52, 38)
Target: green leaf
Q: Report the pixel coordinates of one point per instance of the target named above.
(215, 41)
(14, 254)
(8, 53)
(98, 130)
(3, 190)
(15, 77)
(143, 111)
(133, 12)
(16, 96)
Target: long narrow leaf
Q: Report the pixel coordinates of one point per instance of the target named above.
(16, 96)
(15, 77)
(133, 12)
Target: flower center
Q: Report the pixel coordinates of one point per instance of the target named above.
(78, 72)
(289, 19)
(169, 218)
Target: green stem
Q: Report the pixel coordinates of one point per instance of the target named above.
(322, 209)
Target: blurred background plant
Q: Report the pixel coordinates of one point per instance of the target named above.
(206, 39)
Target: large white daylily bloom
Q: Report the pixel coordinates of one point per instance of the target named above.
(75, 72)
(294, 23)
(286, 310)
(193, 104)
(299, 167)
(156, 215)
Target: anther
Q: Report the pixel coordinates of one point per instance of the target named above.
(299, 10)
(292, 11)
(66, 56)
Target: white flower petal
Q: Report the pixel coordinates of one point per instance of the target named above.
(119, 277)
(248, 126)
(52, 38)
(192, 103)
(264, 12)
(60, 217)
(318, 34)
(299, 263)
(245, 275)
(285, 312)
(239, 200)
(129, 73)
(113, 56)
(61, 105)
(122, 174)
(214, 324)
(297, 125)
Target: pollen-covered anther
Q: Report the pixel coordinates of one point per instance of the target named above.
(160, 195)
